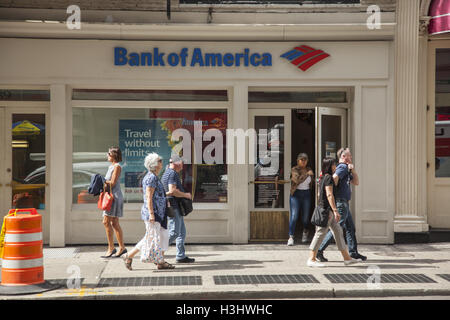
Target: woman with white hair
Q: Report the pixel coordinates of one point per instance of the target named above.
(153, 210)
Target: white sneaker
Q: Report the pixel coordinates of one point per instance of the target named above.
(315, 264)
(305, 237)
(290, 241)
(350, 262)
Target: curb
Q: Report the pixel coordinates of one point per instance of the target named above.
(240, 295)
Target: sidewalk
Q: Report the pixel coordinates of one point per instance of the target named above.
(253, 271)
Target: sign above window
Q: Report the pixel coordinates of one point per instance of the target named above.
(187, 58)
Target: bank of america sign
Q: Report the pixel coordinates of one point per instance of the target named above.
(304, 57)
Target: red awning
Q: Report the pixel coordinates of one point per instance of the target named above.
(440, 17)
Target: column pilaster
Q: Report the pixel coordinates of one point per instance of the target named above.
(410, 215)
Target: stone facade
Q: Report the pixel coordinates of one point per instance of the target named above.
(161, 5)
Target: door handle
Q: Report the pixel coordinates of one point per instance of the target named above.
(8, 185)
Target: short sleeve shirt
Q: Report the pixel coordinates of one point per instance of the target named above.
(170, 176)
(326, 181)
(159, 199)
(344, 189)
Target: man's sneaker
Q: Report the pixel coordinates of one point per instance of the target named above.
(314, 264)
(186, 260)
(350, 262)
(305, 237)
(290, 241)
(358, 257)
(320, 257)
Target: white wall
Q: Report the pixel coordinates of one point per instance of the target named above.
(363, 65)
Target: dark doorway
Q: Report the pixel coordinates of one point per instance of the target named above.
(303, 141)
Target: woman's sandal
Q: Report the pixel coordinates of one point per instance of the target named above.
(128, 262)
(165, 265)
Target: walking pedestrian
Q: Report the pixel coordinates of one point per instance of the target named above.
(326, 201)
(344, 176)
(174, 189)
(111, 217)
(302, 178)
(153, 210)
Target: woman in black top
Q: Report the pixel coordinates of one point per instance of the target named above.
(327, 201)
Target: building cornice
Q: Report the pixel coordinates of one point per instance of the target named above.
(198, 32)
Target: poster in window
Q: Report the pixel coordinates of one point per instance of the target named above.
(137, 138)
(206, 182)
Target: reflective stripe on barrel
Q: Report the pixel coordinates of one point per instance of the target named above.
(23, 237)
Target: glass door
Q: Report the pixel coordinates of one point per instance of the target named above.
(23, 166)
(269, 175)
(438, 159)
(331, 128)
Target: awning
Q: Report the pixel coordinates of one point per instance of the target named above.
(440, 17)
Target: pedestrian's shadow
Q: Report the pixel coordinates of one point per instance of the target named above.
(400, 264)
(215, 265)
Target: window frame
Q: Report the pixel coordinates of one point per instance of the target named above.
(127, 104)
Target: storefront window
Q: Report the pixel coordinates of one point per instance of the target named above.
(299, 97)
(442, 116)
(28, 161)
(141, 131)
(24, 95)
(269, 170)
(150, 95)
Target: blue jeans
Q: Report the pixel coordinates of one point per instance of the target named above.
(300, 201)
(177, 231)
(347, 225)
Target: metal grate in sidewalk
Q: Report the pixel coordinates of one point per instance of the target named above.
(445, 276)
(264, 279)
(151, 281)
(384, 278)
(55, 253)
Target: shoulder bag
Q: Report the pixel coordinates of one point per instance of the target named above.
(185, 206)
(105, 200)
(320, 215)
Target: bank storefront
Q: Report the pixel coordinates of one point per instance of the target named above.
(65, 102)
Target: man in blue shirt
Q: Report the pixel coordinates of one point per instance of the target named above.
(173, 187)
(344, 177)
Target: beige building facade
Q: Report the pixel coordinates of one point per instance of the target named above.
(77, 92)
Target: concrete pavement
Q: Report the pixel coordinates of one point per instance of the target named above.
(252, 271)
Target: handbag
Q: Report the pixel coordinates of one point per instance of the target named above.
(151, 251)
(320, 217)
(170, 212)
(105, 200)
(185, 206)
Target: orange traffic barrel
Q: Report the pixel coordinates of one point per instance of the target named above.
(23, 249)
(23, 263)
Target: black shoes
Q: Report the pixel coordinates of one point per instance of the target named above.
(110, 255)
(320, 257)
(186, 260)
(121, 253)
(358, 256)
